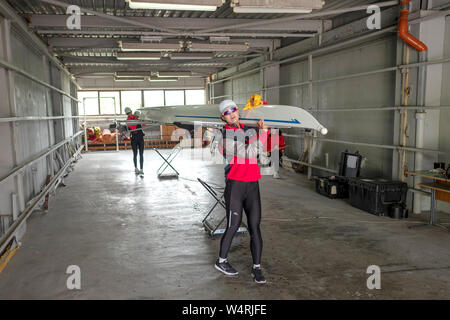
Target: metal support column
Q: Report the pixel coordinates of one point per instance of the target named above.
(311, 142)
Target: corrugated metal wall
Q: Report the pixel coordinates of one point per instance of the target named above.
(444, 116)
(444, 134)
(242, 88)
(31, 137)
(359, 92)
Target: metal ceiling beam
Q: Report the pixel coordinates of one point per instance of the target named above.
(183, 34)
(37, 20)
(99, 15)
(70, 42)
(69, 59)
(321, 13)
(109, 71)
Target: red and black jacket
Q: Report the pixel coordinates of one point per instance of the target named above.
(138, 134)
(239, 146)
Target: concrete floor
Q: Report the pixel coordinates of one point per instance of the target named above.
(141, 238)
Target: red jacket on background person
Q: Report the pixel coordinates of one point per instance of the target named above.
(134, 126)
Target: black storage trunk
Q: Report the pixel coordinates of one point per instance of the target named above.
(337, 186)
(377, 196)
(332, 187)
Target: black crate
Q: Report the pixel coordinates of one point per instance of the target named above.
(337, 186)
(333, 187)
(376, 196)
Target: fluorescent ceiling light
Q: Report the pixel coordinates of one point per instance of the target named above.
(219, 39)
(217, 47)
(276, 6)
(164, 74)
(138, 56)
(197, 5)
(143, 46)
(192, 55)
(152, 38)
(136, 74)
(128, 79)
(156, 79)
(242, 9)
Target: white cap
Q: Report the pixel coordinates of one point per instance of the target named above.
(226, 104)
(137, 113)
(127, 110)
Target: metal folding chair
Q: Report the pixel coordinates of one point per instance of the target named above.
(167, 163)
(218, 195)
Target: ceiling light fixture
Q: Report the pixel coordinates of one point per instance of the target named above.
(157, 79)
(143, 46)
(242, 9)
(152, 38)
(275, 6)
(217, 47)
(197, 5)
(178, 74)
(219, 39)
(192, 55)
(138, 56)
(131, 74)
(129, 79)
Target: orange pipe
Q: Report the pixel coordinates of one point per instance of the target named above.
(403, 28)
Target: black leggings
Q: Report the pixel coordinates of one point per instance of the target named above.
(138, 143)
(242, 196)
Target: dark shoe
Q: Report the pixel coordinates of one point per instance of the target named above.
(225, 267)
(258, 276)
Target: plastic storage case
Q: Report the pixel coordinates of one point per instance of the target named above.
(332, 187)
(337, 186)
(378, 196)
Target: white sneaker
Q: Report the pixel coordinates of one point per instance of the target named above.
(136, 170)
(141, 172)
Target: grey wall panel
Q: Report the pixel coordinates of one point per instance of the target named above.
(444, 134)
(444, 126)
(242, 88)
(374, 90)
(30, 101)
(25, 56)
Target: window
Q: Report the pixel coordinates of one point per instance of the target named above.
(195, 97)
(131, 99)
(154, 98)
(174, 97)
(103, 102)
(90, 100)
(109, 100)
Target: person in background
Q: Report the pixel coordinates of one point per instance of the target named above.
(137, 140)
